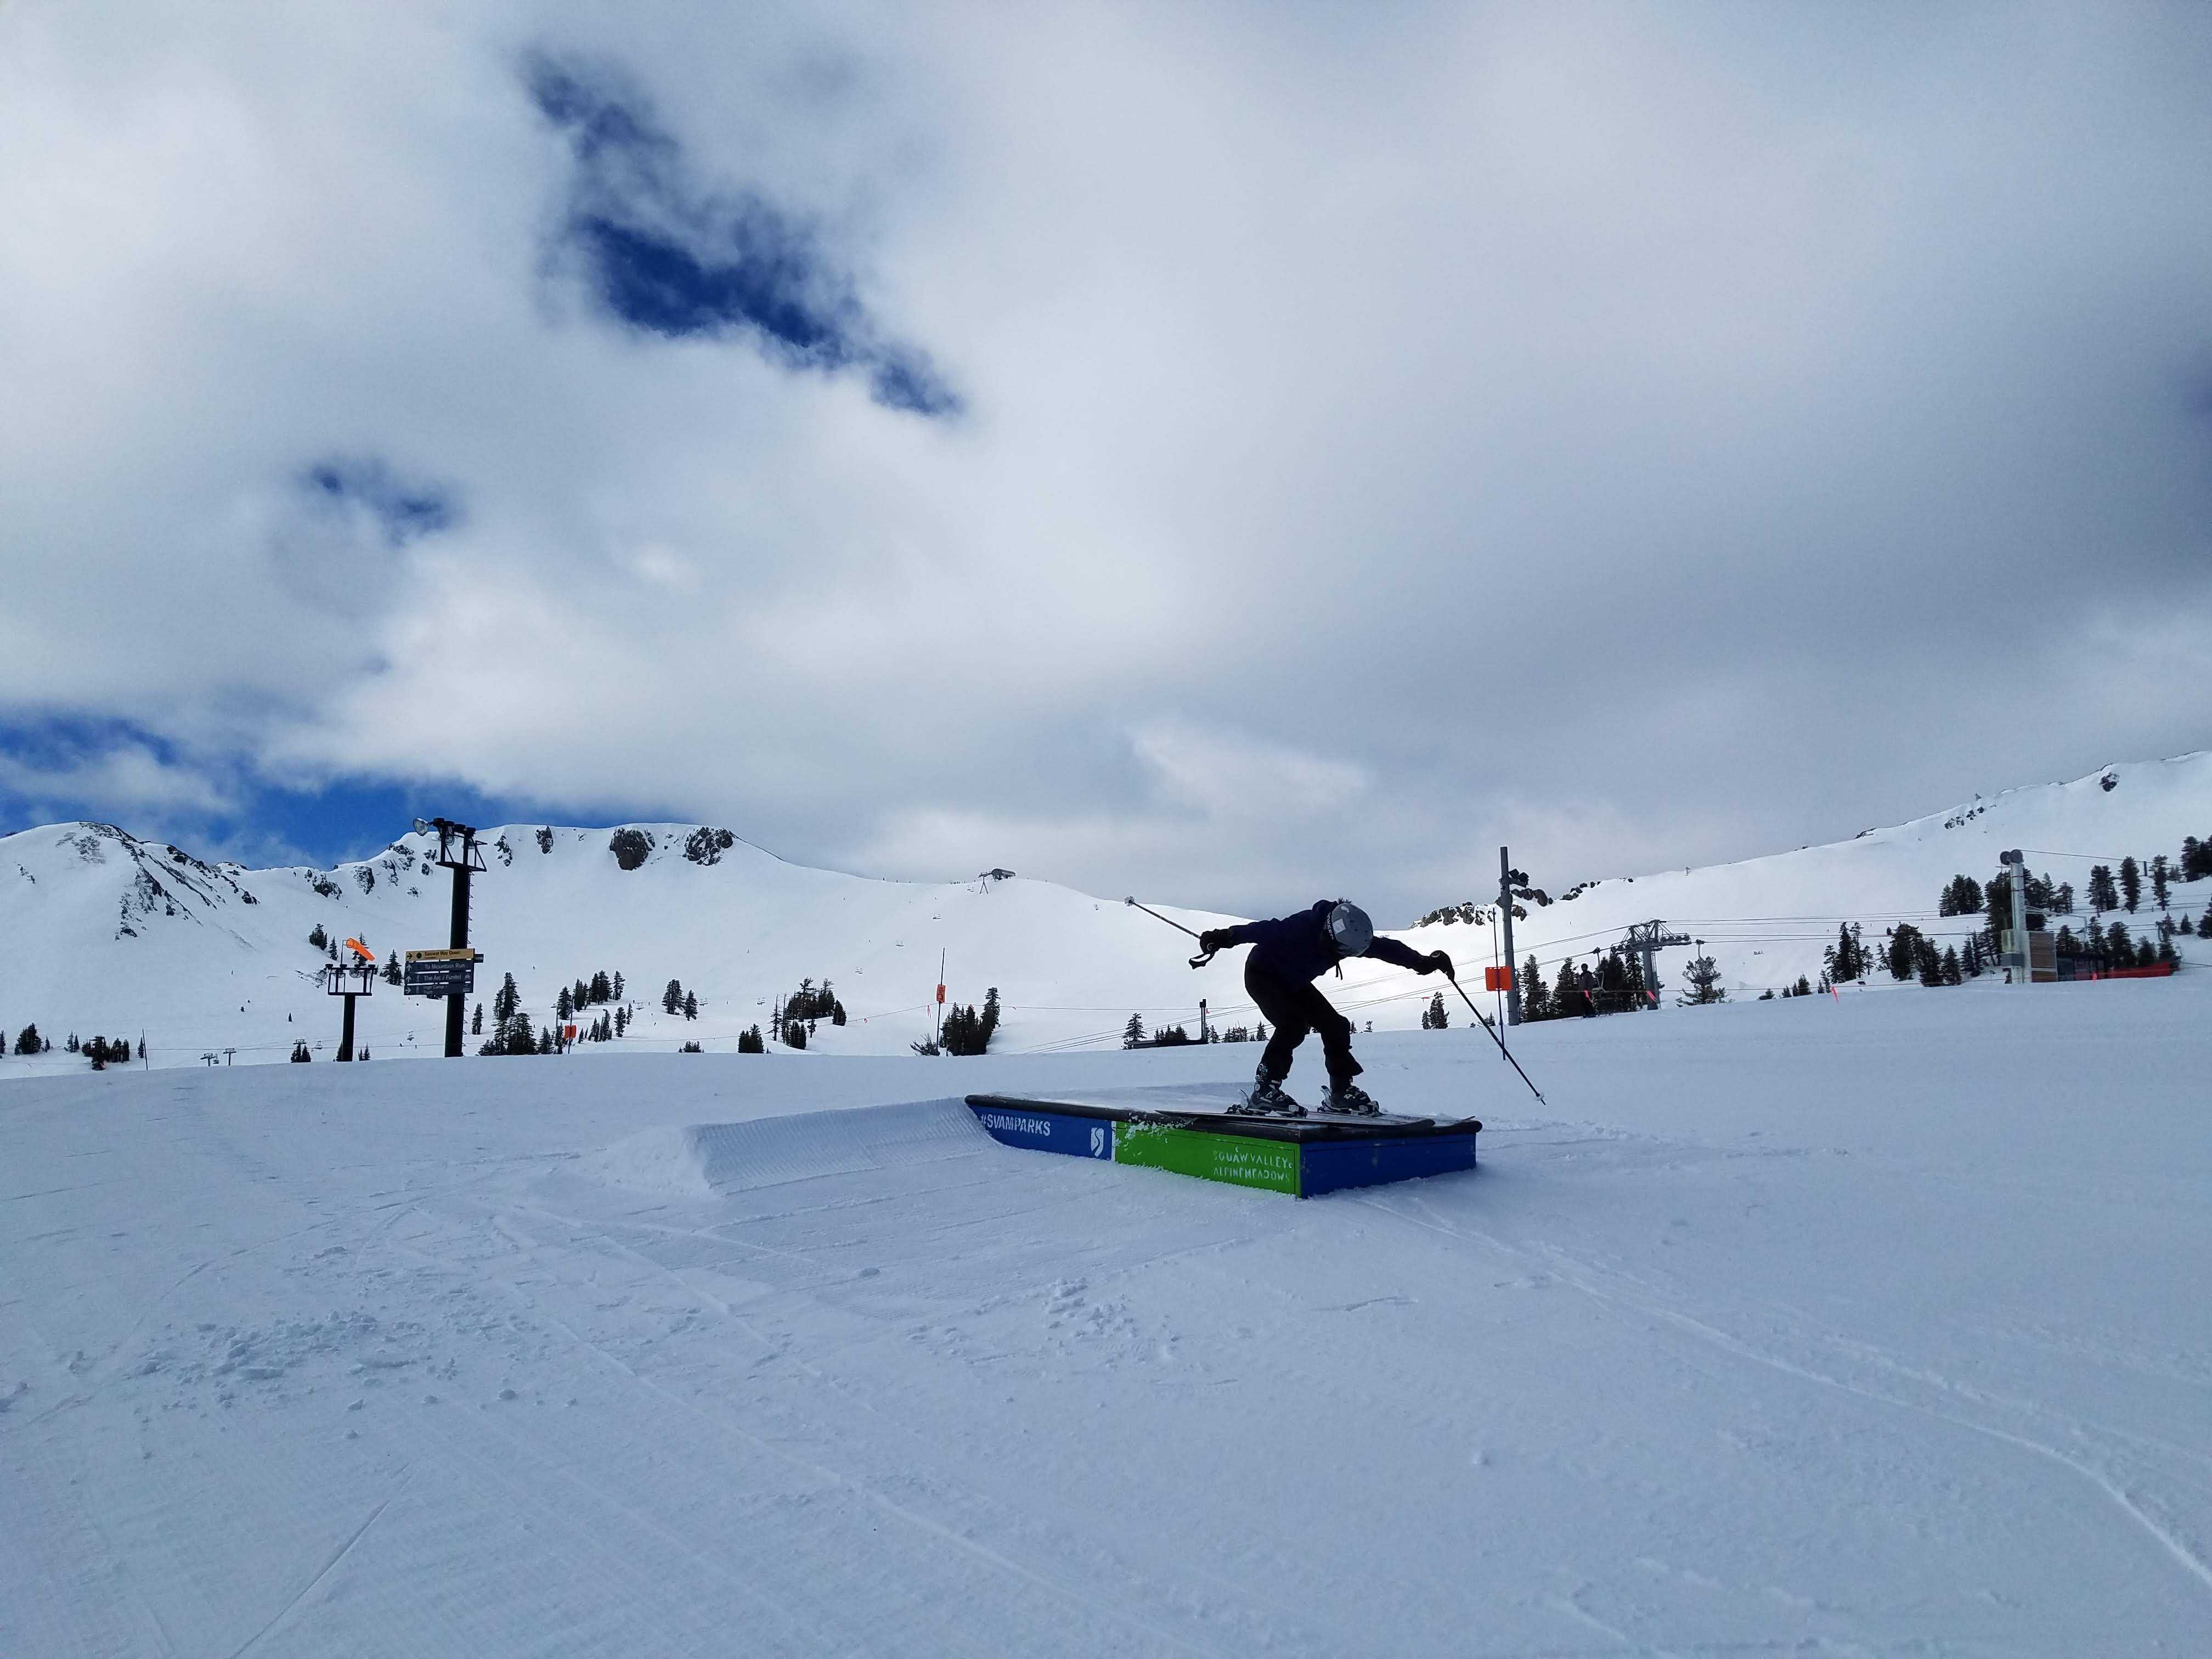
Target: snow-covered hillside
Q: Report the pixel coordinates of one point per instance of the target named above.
(101, 933)
(1766, 921)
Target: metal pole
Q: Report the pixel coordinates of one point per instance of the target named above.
(1484, 1020)
(1505, 915)
(345, 1037)
(455, 1003)
(2016, 862)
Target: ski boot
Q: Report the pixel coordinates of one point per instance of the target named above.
(1266, 1098)
(1350, 1100)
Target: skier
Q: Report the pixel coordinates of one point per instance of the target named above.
(1288, 954)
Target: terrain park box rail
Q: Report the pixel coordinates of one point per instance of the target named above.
(1193, 1134)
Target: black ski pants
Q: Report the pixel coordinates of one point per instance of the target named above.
(1294, 1007)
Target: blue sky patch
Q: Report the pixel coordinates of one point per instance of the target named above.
(404, 510)
(666, 256)
(58, 769)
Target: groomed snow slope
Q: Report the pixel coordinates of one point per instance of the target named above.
(102, 933)
(1874, 1327)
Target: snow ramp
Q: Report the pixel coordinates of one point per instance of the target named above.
(713, 1160)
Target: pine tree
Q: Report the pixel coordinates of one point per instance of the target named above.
(622, 1021)
(2131, 885)
(506, 1000)
(1961, 896)
(1846, 958)
(990, 1014)
(1953, 974)
(2103, 895)
(1435, 1018)
(28, 1041)
(2196, 858)
(476, 1022)
(1536, 995)
(671, 999)
(617, 986)
(1997, 902)
(691, 1008)
(1566, 995)
(393, 973)
(601, 990)
(1902, 939)
(2161, 872)
(1804, 985)
(564, 1004)
(1133, 1034)
(1704, 980)
(317, 938)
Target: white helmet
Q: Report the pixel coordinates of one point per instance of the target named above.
(1349, 929)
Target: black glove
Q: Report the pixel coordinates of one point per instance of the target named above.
(1212, 939)
(1439, 964)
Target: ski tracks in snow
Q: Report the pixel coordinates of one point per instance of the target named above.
(2124, 1468)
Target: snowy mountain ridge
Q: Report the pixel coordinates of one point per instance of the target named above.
(102, 931)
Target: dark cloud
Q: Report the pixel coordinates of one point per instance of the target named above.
(666, 256)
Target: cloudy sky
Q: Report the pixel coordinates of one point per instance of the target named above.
(1229, 453)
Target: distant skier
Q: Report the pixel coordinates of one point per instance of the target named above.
(1288, 954)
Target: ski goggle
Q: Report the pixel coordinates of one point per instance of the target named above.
(1350, 929)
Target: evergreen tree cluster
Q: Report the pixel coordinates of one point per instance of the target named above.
(811, 1002)
(750, 1040)
(28, 1041)
(102, 1052)
(512, 1030)
(675, 1000)
(964, 1032)
(1434, 1018)
(300, 1054)
(2100, 950)
(571, 1000)
(1611, 984)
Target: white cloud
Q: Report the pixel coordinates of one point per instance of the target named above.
(1638, 431)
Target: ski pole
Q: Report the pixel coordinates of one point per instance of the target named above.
(1495, 1038)
(1195, 962)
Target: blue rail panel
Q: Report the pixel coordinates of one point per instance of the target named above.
(1331, 1165)
(1049, 1132)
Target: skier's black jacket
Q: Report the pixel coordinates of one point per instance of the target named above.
(1299, 947)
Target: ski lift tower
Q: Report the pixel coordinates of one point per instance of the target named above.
(356, 977)
(458, 852)
(1645, 938)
